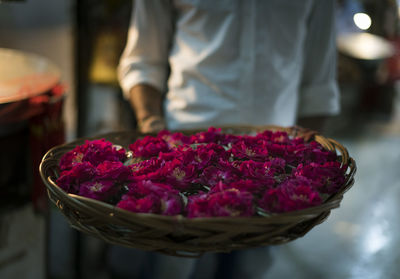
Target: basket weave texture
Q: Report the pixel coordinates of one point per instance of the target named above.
(180, 236)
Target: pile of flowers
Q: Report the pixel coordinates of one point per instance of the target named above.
(207, 174)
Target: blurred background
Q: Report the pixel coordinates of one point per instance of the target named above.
(76, 45)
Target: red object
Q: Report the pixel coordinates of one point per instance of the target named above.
(393, 63)
(46, 129)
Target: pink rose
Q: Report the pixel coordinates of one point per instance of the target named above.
(293, 194)
(151, 197)
(99, 189)
(70, 180)
(148, 147)
(230, 202)
(95, 152)
(327, 178)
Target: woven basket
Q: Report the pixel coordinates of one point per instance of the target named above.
(180, 236)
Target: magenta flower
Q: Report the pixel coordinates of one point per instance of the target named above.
(151, 197)
(147, 187)
(147, 204)
(200, 156)
(171, 205)
(148, 147)
(276, 166)
(183, 153)
(250, 149)
(146, 169)
(95, 152)
(262, 172)
(212, 175)
(116, 171)
(212, 135)
(220, 174)
(70, 180)
(98, 189)
(174, 139)
(177, 174)
(209, 154)
(70, 159)
(293, 194)
(284, 151)
(274, 137)
(255, 187)
(230, 202)
(198, 206)
(319, 155)
(327, 178)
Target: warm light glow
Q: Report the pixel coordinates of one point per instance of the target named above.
(365, 46)
(362, 21)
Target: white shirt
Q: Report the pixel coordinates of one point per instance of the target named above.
(234, 62)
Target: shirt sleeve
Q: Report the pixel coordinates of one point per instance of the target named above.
(319, 93)
(145, 58)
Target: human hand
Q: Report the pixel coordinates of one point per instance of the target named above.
(151, 124)
(146, 101)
